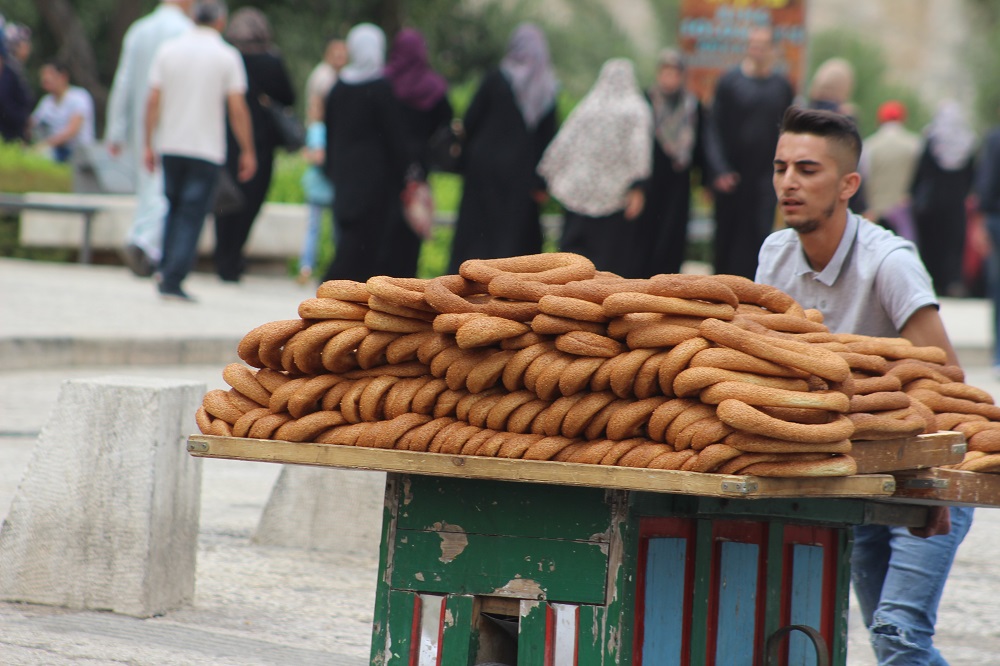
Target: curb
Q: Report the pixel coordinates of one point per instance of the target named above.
(38, 353)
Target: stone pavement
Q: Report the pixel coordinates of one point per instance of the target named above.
(262, 604)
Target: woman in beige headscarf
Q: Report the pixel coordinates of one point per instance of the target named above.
(596, 165)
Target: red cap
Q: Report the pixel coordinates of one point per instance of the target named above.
(890, 111)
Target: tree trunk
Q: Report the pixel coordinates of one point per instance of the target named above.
(75, 49)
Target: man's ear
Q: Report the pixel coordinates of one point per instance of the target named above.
(849, 185)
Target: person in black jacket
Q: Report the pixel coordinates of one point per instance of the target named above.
(267, 79)
(366, 157)
(508, 125)
(422, 94)
(988, 196)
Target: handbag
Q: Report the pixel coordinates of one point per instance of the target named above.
(228, 197)
(444, 148)
(289, 130)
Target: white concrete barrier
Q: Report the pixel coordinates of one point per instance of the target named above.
(327, 509)
(106, 516)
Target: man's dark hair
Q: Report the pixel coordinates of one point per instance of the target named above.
(207, 12)
(838, 128)
(58, 64)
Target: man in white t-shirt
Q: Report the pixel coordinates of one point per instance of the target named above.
(322, 78)
(126, 117)
(64, 118)
(193, 80)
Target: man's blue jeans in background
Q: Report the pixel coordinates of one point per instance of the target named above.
(898, 580)
(189, 185)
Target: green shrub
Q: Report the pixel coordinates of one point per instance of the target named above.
(25, 170)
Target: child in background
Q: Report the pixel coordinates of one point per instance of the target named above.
(319, 196)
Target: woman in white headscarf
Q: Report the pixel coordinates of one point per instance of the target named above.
(508, 124)
(366, 159)
(941, 184)
(597, 164)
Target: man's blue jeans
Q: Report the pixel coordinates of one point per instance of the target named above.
(189, 185)
(898, 580)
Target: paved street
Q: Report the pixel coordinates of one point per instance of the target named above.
(270, 605)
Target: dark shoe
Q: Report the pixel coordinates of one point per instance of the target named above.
(178, 295)
(137, 260)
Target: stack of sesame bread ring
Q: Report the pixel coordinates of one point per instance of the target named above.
(542, 357)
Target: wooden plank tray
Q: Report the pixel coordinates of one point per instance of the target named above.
(947, 486)
(923, 451)
(535, 471)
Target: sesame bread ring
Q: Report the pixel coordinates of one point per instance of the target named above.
(306, 428)
(303, 352)
(664, 415)
(272, 339)
(982, 463)
(517, 446)
(381, 305)
(619, 304)
(578, 373)
(970, 428)
(204, 421)
(386, 434)
(350, 404)
(331, 399)
(710, 458)
(411, 369)
(761, 444)
(596, 290)
(965, 392)
(677, 360)
(501, 411)
(742, 416)
(550, 420)
(343, 435)
(692, 287)
(479, 412)
(455, 443)
(485, 331)
(448, 432)
(820, 362)
(307, 397)
(271, 379)
(659, 336)
(433, 345)
(836, 465)
(486, 374)
(520, 419)
(880, 401)
(279, 399)
(426, 396)
(797, 415)
(407, 292)
(547, 448)
(582, 412)
(744, 460)
(926, 414)
(943, 403)
(873, 365)
(618, 449)
(647, 383)
(522, 341)
(767, 396)
(888, 424)
(766, 296)
(907, 372)
(620, 327)
(544, 324)
(242, 426)
(343, 290)
(787, 323)
(331, 308)
(264, 427)
(451, 294)
(583, 343)
(693, 380)
(895, 350)
(625, 370)
(469, 400)
(338, 353)
(472, 444)
(458, 371)
(601, 379)
(987, 441)
(522, 311)
(572, 308)
(371, 350)
(240, 401)
(630, 421)
(597, 428)
(951, 420)
(419, 438)
(670, 460)
(737, 361)
(372, 400)
(404, 348)
(220, 428)
(541, 363)
(449, 322)
(549, 268)
(685, 437)
(682, 421)
(513, 288)
(447, 403)
(513, 374)
(570, 450)
(400, 395)
(590, 453)
(491, 445)
(443, 360)
(245, 381)
(642, 454)
(705, 432)
(382, 321)
(866, 385)
(548, 384)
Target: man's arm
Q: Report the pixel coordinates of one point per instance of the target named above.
(239, 120)
(924, 328)
(152, 120)
(118, 110)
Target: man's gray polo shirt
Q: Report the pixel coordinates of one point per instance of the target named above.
(872, 286)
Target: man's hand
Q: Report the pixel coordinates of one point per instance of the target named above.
(938, 522)
(149, 159)
(726, 182)
(114, 149)
(247, 166)
(635, 201)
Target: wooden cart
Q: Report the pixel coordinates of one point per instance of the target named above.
(545, 563)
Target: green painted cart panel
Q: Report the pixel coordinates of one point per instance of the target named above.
(511, 509)
(459, 563)
(531, 644)
(402, 618)
(457, 648)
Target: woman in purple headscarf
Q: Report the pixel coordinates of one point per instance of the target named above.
(422, 94)
(510, 122)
